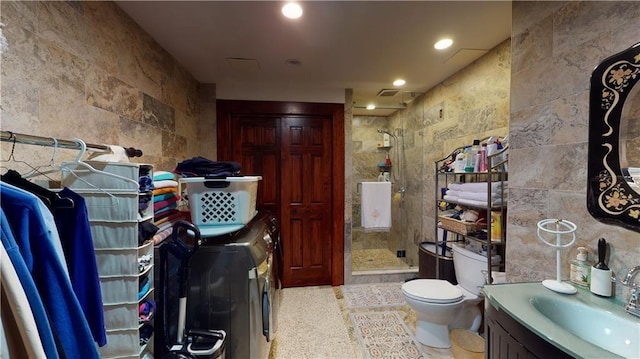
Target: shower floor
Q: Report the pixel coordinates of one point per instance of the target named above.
(376, 259)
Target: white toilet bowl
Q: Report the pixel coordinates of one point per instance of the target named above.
(441, 306)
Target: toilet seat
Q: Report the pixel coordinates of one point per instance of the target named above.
(432, 291)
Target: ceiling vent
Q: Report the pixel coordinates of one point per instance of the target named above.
(243, 65)
(388, 92)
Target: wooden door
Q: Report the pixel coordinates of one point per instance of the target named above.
(256, 146)
(306, 197)
(298, 149)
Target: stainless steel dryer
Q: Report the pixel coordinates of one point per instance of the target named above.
(233, 287)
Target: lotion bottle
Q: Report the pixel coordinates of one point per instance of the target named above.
(460, 163)
(580, 270)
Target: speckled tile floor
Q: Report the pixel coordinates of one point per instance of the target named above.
(378, 259)
(314, 323)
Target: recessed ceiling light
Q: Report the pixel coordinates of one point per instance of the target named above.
(399, 82)
(371, 107)
(443, 44)
(292, 10)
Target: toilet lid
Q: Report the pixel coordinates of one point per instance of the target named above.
(432, 290)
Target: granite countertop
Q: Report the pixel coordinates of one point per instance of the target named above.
(514, 299)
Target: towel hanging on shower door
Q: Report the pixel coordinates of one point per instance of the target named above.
(376, 206)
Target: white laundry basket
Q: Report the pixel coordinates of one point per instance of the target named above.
(222, 202)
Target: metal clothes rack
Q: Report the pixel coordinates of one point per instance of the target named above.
(9, 136)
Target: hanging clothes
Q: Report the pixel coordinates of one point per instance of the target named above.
(77, 243)
(18, 323)
(33, 237)
(12, 178)
(29, 286)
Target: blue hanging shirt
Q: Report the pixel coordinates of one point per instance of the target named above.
(35, 302)
(77, 243)
(68, 323)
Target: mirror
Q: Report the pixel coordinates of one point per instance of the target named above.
(613, 191)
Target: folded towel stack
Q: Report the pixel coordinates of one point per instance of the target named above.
(476, 194)
(165, 204)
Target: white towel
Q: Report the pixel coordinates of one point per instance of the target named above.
(477, 186)
(115, 154)
(481, 196)
(376, 206)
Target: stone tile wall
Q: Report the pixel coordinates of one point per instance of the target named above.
(473, 103)
(555, 47)
(86, 70)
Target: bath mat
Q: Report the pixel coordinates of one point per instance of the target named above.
(384, 335)
(373, 295)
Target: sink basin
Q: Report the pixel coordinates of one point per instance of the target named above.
(613, 332)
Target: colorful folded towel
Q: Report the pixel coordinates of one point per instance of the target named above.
(163, 175)
(165, 196)
(166, 203)
(164, 209)
(165, 183)
(158, 191)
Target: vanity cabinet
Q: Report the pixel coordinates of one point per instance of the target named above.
(473, 235)
(505, 338)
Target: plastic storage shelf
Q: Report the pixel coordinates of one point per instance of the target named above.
(111, 192)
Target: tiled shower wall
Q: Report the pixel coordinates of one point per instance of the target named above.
(555, 47)
(85, 70)
(473, 103)
(366, 156)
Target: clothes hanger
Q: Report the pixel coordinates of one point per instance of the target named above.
(50, 198)
(36, 171)
(12, 159)
(77, 167)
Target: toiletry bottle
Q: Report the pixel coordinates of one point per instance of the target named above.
(468, 154)
(381, 177)
(460, 163)
(483, 158)
(472, 157)
(580, 269)
(386, 141)
(496, 226)
(491, 149)
(387, 161)
(476, 162)
(600, 273)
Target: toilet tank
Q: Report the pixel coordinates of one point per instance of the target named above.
(470, 268)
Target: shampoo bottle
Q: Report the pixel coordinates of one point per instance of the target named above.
(600, 273)
(468, 154)
(580, 270)
(473, 155)
(386, 141)
(387, 160)
(460, 163)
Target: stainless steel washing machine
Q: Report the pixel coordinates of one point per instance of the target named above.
(233, 287)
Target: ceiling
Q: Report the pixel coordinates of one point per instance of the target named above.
(245, 47)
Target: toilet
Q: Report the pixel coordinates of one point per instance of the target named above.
(441, 306)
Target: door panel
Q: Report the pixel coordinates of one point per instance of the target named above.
(258, 153)
(306, 192)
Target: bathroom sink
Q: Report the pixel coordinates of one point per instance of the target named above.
(617, 333)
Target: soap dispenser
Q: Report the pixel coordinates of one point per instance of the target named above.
(580, 270)
(600, 273)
